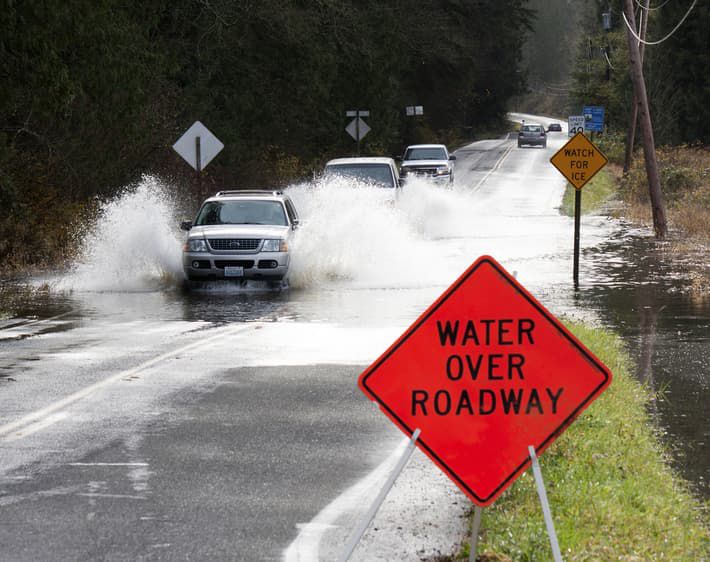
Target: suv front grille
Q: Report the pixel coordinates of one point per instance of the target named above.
(423, 171)
(234, 244)
(246, 264)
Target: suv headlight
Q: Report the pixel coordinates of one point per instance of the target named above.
(195, 245)
(274, 245)
(442, 170)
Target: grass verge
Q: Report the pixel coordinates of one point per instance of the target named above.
(612, 493)
(598, 191)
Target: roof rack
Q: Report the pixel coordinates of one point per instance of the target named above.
(248, 192)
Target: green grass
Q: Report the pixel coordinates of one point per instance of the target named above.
(599, 190)
(611, 491)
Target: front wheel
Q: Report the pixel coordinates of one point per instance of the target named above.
(278, 285)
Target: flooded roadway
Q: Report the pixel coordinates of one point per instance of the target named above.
(362, 275)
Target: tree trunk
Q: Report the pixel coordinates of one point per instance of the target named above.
(649, 149)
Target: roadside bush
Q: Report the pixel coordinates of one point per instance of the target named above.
(675, 179)
(613, 145)
(685, 183)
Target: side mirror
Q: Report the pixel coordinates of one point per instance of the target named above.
(452, 157)
(185, 225)
(295, 223)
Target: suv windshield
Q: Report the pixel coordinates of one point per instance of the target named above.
(241, 212)
(379, 174)
(425, 154)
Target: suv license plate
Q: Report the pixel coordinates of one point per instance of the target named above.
(233, 271)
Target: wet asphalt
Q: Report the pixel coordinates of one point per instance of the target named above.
(223, 474)
(224, 450)
(184, 454)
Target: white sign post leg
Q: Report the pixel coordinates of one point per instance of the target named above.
(557, 555)
(370, 515)
(474, 534)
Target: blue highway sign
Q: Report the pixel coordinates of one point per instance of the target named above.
(593, 118)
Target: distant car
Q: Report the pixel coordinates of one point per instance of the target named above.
(556, 127)
(375, 170)
(430, 161)
(240, 235)
(532, 134)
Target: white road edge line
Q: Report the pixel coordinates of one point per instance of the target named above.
(44, 413)
(306, 546)
(107, 464)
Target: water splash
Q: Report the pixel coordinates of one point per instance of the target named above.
(133, 245)
(351, 233)
(368, 237)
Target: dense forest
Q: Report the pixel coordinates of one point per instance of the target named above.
(591, 65)
(95, 92)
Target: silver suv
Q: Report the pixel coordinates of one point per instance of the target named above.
(240, 235)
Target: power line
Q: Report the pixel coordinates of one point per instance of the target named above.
(667, 36)
(649, 8)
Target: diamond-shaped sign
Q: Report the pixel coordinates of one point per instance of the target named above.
(579, 160)
(485, 372)
(354, 128)
(186, 146)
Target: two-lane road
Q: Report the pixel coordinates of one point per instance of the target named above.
(227, 424)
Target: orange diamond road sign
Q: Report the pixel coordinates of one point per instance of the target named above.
(485, 372)
(579, 160)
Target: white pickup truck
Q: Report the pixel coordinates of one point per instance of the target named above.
(430, 161)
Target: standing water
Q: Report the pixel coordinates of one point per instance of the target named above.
(360, 258)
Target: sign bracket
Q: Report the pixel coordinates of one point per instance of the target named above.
(374, 508)
(477, 512)
(547, 514)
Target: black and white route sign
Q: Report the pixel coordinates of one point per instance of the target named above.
(357, 129)
(198, 146)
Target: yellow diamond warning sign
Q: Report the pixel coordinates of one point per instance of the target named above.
(579, 160)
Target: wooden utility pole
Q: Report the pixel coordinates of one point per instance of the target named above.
(631, 136)
(649, 148)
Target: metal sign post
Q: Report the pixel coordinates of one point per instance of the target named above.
(474, 533)
(578, 161)
(412, 111)
(357, 128)
(547, 514)
(577, 215)
(198, 163)
(370, 515)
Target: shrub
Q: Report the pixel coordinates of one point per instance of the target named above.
(613, 145)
